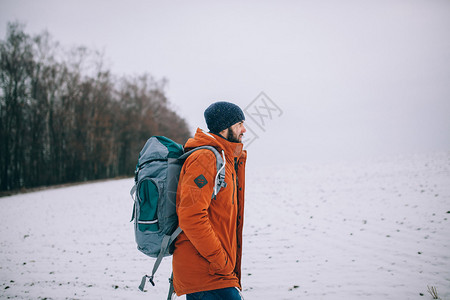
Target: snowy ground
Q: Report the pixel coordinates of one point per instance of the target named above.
(374, 230)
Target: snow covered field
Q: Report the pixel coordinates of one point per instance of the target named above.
(373, 230)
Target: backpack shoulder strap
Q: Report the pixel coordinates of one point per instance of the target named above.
(219, 180)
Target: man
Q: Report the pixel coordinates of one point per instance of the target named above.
(207, 256)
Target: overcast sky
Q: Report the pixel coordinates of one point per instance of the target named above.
(343, 78)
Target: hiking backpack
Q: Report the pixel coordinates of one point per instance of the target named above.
(154, 195)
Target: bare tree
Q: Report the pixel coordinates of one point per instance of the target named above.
(65, 118)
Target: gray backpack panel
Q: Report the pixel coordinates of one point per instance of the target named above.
(155, 194)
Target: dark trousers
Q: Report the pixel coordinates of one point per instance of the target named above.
(220, 294)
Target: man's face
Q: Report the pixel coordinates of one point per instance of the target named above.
(236, 132)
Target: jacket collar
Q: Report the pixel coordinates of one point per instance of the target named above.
(203, 138)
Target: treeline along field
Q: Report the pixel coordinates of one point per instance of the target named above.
(66, 118)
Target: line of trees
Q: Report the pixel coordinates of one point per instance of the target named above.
(66, 118)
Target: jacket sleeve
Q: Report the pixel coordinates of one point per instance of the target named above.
(196, 188)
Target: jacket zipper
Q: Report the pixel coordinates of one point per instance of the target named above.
(234, 188)
(236, 165)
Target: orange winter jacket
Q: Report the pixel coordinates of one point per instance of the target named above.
(208, 252)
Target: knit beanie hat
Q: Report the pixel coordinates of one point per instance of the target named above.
(221, 115)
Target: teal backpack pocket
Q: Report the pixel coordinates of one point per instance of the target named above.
(148, 193)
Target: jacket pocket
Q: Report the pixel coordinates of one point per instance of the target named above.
(224, 267)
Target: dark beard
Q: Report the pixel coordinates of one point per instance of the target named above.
(232, 137)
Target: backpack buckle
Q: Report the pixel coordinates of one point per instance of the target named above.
(144, 279)
(136, 172)
(151, 280)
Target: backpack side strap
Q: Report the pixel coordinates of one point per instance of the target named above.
(167, 241)
(171, 288)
